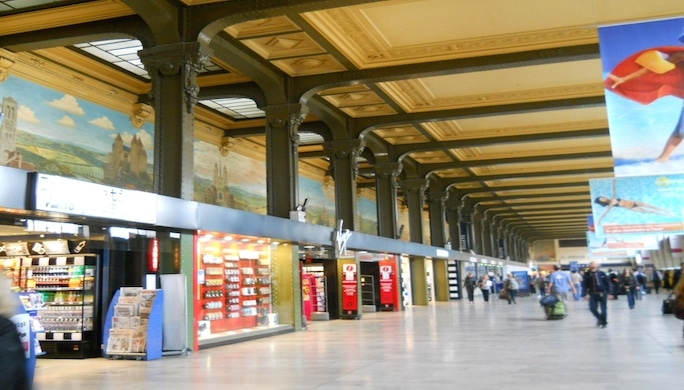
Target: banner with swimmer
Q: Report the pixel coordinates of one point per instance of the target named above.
(638, 205)
(643, 73)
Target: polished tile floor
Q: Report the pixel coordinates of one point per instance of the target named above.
(441, 346)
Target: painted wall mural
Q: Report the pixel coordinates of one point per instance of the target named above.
(234, 181)
(238, 181)
(54, 132)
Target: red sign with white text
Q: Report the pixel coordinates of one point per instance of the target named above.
(350, 291)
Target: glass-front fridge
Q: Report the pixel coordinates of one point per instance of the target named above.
(65, 291)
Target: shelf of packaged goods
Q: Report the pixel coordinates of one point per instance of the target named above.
(59, 289)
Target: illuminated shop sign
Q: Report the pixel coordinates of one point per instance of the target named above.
(69, 196)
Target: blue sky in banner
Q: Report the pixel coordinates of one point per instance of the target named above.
(640, 131)
(638, 205)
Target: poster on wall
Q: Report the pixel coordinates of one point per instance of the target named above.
(638, 205)
(643, 72)
(55, 132)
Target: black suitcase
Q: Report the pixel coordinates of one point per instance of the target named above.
(668, 304)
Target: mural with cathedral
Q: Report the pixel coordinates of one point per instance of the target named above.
(238, 181)
(54, 132)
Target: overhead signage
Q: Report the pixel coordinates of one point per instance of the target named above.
(638, 205)
(69, 196)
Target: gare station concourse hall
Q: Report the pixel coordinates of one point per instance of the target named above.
(473, 127)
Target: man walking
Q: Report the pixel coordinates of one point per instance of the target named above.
(576, 278)
(596, 287)
(560, 284)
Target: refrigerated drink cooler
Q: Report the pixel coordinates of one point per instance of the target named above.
(66, 303)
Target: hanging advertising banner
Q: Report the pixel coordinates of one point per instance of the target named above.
(624, 242)
(638, 205)
(350, 287)
(643, 72)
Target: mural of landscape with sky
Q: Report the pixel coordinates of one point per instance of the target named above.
(239, 182)
(56, 133)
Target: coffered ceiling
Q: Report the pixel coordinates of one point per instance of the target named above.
(501, 101)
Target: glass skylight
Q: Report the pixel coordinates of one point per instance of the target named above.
(124, 54)
(236, 108)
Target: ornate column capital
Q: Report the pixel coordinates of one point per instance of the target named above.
(414, 185)
(291, 115)
(185, 58)
(386, 170)
(343, 149)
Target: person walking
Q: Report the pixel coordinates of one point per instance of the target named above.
(560, 284)
(642, 280)
(469, 283)
(596, 288)
(657, 279)
(511, 285)
(485, 287)
(13, 367)
(576, 279)
(630, 284)
(541, 285)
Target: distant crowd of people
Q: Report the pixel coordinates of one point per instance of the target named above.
(592, 284)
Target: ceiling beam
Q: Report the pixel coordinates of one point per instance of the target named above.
(312, 84)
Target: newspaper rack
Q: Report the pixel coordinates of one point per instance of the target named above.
(133, 329)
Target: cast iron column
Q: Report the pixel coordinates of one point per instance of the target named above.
(173, 69)
(386, 197)
(343, 155)
(452, 216)
(436, 210)
(414, 192)
(282, 158)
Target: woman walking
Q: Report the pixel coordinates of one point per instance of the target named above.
(485, 286)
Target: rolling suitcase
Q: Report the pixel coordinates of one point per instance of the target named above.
(556, 312)
(668, 304)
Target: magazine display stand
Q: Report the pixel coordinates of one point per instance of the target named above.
(134, 324)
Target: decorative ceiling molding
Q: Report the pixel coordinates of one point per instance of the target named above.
(63, 16)
(45, 72)
(262, 27)
(284, 46)
(450, 130)
(413, 97)
(543, 148)
(369, 110)
(86, 65)
(546, 166)
(366, 47)
(310, 65)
